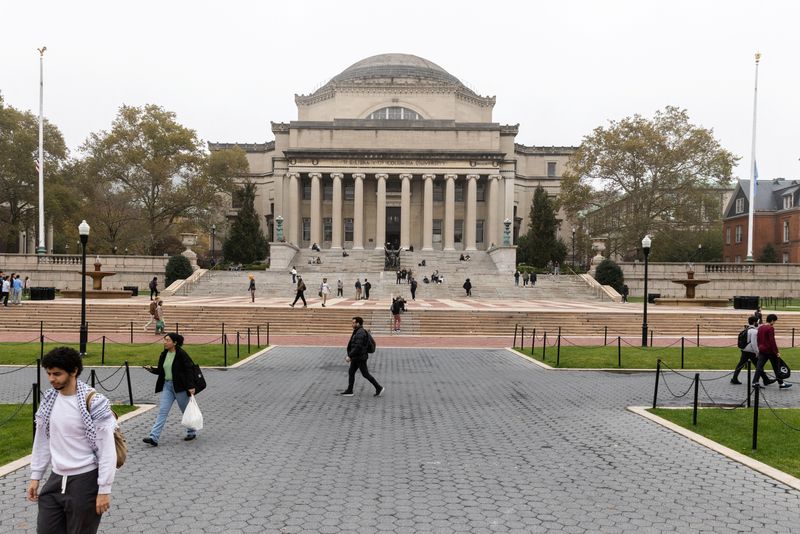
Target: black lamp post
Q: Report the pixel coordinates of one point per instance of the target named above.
(213, 242)
(646, 249)
(83, 230)
(573, 248)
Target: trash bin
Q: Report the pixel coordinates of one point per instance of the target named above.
(745, 302)
(133, 289)
(36, 293)
(43, 293)
(651, 297)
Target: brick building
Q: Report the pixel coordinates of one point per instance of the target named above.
(776, 221)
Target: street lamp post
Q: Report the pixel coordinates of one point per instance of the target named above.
(646, 249)
(573, 248)
(213, 242)
(83, 230)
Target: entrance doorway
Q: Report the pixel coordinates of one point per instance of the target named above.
(392, 227)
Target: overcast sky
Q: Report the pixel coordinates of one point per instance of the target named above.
(558, 68)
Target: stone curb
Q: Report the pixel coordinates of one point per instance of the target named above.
(246, 360)
(619, 370)
(761, 467)
(25, 460)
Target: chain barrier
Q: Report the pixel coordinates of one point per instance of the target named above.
(664, 379)
(19, 409)
(716, 404)
(100, 382)
(771, 409)
(20, 343)
(18, 368)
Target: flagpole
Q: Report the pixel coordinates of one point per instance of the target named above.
(752, 210)
(41, 249)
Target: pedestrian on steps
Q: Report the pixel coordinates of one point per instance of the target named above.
(301, 289)
(252, 287)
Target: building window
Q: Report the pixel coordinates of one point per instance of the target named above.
(479, 231)
(437, 230)
(395, 113)
(348, 229)
(236, 199)
(459, 191)
(306, 229)
(788, 201)
(738, 259)
(480, 192)
(349, 191)
(739, 205)
(785, 231)
(728, 235)
(785, 257)
(306, 190)
(394, 186)
(438, 191)
(327, 190)
(551, 169)
(738, 233)
(327, 229)
(458, 231)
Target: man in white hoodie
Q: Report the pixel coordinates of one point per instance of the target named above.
(78, 442)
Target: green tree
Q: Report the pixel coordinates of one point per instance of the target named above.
(246, 242)
(178, 268)
(161, 168)
(688, 245)
(609, 273)
(540, 244)
(19, 179)
(769, 254)
(652, 174)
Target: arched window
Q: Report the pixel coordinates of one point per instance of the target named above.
(395, 113)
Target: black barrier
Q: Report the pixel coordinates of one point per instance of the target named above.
(745, 303)
(756, 390)
(128, 374)
(43, 293)
(133, 289)
(516, 326)
(655, 389)
(651, 297)
(696, 391)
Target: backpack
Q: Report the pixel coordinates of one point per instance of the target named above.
(370, 343)
(120, 444)
(742, 340)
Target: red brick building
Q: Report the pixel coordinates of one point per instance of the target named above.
(776, 221)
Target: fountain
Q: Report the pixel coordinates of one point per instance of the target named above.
(691, 283)
(97, 291)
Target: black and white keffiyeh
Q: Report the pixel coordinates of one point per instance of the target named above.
(101, 409)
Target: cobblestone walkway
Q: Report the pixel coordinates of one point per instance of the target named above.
(463, 441)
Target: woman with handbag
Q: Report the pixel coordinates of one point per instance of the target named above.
(175, 383)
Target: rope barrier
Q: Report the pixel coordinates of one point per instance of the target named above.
(19, 409)
(18, 368)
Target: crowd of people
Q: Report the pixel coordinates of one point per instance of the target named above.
(13, 288)
(758, 346)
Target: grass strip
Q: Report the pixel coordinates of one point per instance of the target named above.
(778, 445)
(16, 433)
(116, 354)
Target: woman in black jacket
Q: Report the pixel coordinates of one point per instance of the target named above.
(175, 383)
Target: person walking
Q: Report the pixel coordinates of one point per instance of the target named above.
(300, 292)
(533, 279)
(768, 350)
(6, 289)
(358, 289)
(525, 279)
(399, 276)
(396, 307)
(153, 287)
(324, 291)
(750, 349)
(152, 311)
(516, 277)
(758, 316)
(16, 288)
(251, 287)
(468, 287)
(76, 439)
(339, 288)
(413, 289)
(175, 383)
(26, 287)
(294, 275)
(367, 287)
(357, 355)
(625, 292)
(159, 317)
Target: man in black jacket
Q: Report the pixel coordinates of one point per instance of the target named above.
(357, 357)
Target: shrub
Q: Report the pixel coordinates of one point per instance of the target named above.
(178, 268)
(609, 273)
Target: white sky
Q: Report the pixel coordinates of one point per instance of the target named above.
(558, 68)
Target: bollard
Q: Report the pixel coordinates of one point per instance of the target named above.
(757, 390)
(41, 347)
(619, 351)
(533, 341)
(41, 328)
(544, 346)
(103, 352)
(258, 336)
(92, 377)
(131, 332)
(268, 334)
(749, 390)
(130, 389)
(39, 375)
(522, 340)
(516, 326)
(655, 390)
(35, 395)
(651, 338)
(558, 348)
(698, 335)
(605, 335)
(223, 331)
(225, 349)
(792, 337)
(683, 340)
(696, 391)
(237, 344)
(248, 340)
(177, 328)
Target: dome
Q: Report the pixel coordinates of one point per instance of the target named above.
(395, 66)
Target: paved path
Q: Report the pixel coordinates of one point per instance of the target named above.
(463, 441)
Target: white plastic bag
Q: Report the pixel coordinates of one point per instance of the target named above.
(192, 418)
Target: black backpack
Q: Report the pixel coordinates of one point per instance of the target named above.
(370, 343)
(742, 341)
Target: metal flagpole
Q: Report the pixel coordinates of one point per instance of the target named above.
(752, 210)
(41, 248)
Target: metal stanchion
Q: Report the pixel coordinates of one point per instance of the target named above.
(749, 384)
(655, 390)
(248, 340)
(237, 345)
(605, 335)
(130, 388)
(516, 326)
(533, 341)
(558, 348)
(103, 352)
(651, 338)
(619, 351)
(682, 350)
(225, 349)
(522, 340)
(268, 334)
(258, 336)
(698, 335)
(35, 395)
(696, 391)
(757, 391)
(544, 346)
(92, 378)
(131, 332)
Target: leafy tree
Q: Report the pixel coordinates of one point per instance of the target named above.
(178, 268)
(246, 242)
(662, 172)
(540, 244)
(769, 254)
(682, 245)
(609, 273)
(19, 179)
(161, 168)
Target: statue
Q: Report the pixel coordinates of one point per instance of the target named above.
(392, 257)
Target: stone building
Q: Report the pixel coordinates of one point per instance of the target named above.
(395, 149)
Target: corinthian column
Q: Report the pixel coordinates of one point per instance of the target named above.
(294, 219)
(427, 213)
(492, 210)
(316, 209)
(380, 217)
(336, 237)
(470, 219)
(449, 211)
(358, 212)
(405, 210)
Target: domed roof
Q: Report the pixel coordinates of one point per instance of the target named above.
(395, 66)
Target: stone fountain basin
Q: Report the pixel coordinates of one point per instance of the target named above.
(92, 294)
(703, 302)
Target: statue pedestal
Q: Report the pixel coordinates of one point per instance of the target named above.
(505, 258)
(281, 255)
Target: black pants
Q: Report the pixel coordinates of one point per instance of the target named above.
(71, 512)
(300, 296)
(413, 294)
(762, 360)
(153, 292)
(339, 292)
(366, 294)
(360, 365)
(743, 359)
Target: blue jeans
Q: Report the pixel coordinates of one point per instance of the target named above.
(168, 396)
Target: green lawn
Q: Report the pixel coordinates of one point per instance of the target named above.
(16, 434)
(634, 357)
(778, 445)
(116, 354)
